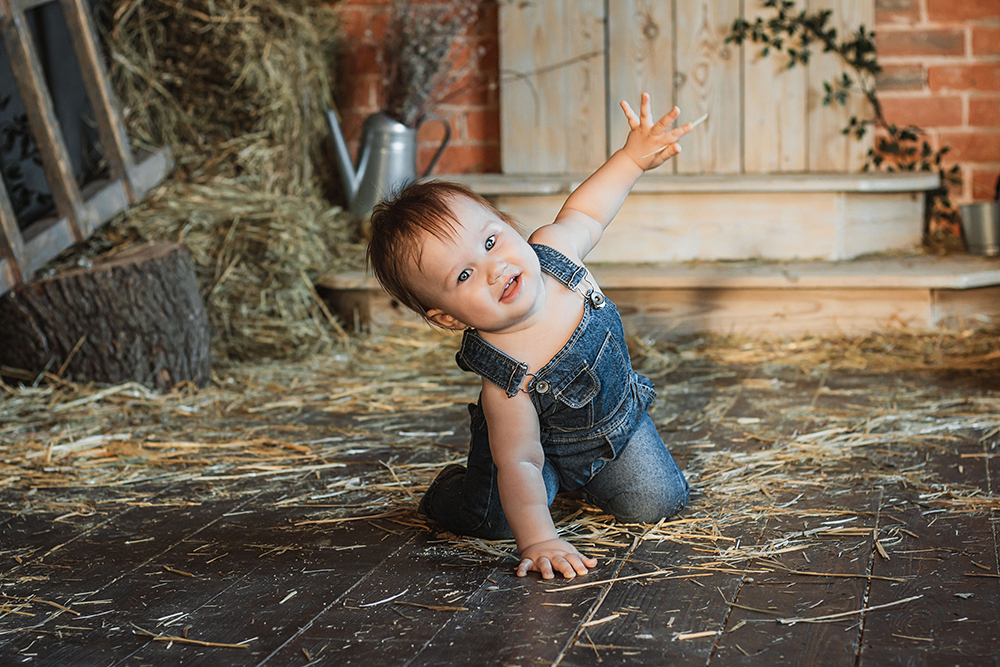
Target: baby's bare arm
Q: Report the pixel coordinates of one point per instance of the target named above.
(592, 206)
(517, 453)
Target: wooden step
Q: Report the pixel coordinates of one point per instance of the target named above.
(676, 218)
(758, 298)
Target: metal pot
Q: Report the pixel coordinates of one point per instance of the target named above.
(981, 225)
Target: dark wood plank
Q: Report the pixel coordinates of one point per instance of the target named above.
(271, 582)
(102, 98)
(380, 618)
(81, 564)
(651, 614)
(754, 636)
(512, 621)
(38, 105)
(951, 563)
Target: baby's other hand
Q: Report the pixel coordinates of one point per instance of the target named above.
(650, 144)
(554, 555)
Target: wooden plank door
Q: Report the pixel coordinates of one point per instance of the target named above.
(708, 82)
(553, 99)
(640, 59)
(829, 148)
(763, 116)
(775, 137)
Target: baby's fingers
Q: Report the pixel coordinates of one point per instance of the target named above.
(579, 565)
(541, 565)
(667, 120)
(633, 120)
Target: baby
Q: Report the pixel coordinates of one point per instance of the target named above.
(561, 408)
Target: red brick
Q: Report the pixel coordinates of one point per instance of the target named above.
(972, 146)
(357, 59)
(463, 159)
(914, 42)
(985, 41)
(897, 11)
(380, 24)
(360, 92)
(985, 76)
(901, 77)
(923, 111)
(486, 25)
(962, 10)
(432, 131)
(471, 90)
(984, 183)
(350, 124)
(353, 22)
(482, 125)
(984, 111)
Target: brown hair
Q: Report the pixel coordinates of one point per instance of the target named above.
(399, 222)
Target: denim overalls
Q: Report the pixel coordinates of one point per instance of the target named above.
(590, 405)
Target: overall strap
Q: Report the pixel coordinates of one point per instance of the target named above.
(478, 356)
(559, 266)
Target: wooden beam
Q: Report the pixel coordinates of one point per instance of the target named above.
(102, 99)
(38, 105)
(11, 242)
(23, 6)
(7, 277)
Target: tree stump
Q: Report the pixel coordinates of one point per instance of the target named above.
(137, 316)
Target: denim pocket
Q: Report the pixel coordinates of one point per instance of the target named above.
(593, 392)
(581, 388)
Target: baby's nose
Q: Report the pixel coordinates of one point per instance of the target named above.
(498, 269)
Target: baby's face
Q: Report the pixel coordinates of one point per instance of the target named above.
(486, 276)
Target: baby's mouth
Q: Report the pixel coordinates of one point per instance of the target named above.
(511, 287)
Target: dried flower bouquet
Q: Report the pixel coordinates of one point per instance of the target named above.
(415, 56)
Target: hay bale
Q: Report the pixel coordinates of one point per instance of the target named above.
(239, 90)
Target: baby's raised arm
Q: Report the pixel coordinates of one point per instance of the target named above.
(592, 206)
(517, 453)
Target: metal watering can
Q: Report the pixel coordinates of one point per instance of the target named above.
(387, 159)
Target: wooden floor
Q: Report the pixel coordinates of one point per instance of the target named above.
(106, 579)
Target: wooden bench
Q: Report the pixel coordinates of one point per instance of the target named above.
(662, 301)
(675, 218)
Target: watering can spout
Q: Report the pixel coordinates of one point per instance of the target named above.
(350, 177)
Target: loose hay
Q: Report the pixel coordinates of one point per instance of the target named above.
(385, 396)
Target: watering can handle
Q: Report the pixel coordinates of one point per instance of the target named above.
(444, 142)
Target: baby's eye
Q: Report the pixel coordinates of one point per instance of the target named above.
(491, 241)
(464, 275)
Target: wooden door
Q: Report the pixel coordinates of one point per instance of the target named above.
(566, 65)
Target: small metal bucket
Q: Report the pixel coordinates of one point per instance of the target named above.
(981, 225)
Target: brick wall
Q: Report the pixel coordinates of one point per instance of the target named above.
(942, 73)
(474, 112)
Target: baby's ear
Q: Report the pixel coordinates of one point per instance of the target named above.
(443, 319)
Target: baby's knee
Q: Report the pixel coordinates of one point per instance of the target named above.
(650, 505)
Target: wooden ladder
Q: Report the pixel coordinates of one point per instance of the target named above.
(78, 213)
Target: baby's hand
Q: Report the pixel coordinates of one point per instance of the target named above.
(554, 554)
(649, 144)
